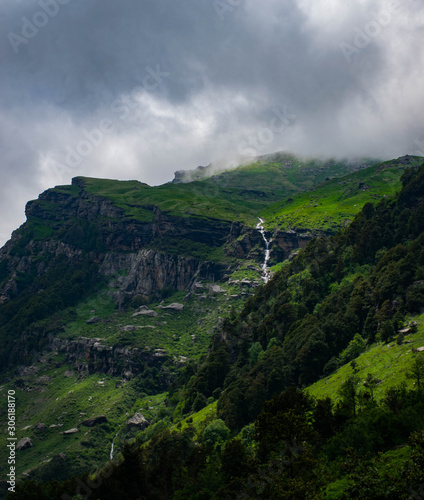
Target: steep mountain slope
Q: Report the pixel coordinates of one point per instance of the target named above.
(257, 437)
(80, 238)
(112, 292)
(364, 281)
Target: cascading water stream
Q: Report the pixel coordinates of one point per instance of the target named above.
(112, 447)
(266, 274)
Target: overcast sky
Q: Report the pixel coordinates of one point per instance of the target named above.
(136, 89)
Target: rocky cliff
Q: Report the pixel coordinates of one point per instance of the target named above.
(87, 356)
(98, 235)
(127, 251)
(247, 242)
(78, 223)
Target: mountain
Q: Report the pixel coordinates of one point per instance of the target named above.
(141, 241)
(126, 308)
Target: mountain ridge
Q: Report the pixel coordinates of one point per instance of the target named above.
(149, 289)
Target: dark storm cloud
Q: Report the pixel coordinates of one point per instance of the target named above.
(140, 88)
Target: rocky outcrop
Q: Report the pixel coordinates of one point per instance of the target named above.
(24, 444)
(37, 259)
(138, 420)
(175, 306)
(149, 272)
(284, 242)
(145, 311)
(94, 356)
(183, 176)
(247, 242)
(244, 242)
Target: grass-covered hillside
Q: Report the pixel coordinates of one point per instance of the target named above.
(388, 363)
(238, 194)
(334, 203)
(119, 299)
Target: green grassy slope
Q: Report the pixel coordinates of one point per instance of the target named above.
(328, 206)
(181, 333)
(389, 362)
(238, 194)
(62, 403)
(46, 395)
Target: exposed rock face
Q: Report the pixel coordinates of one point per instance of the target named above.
(26, 264)
(284, 242)
(248, 242)
(182, 176)
(245, 242)
(93, 356)
(150, 271)
(127, 244)
(138, 420)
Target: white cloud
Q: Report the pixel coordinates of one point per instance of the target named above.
(218, 86)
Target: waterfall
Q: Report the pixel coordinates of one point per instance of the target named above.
(265, 271)
(112, 447)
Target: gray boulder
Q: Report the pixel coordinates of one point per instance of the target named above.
(174, 307)
(129, 328)
(94, 319)
(145, 311)
(24, 444)
(138, 420)
(71, 431)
